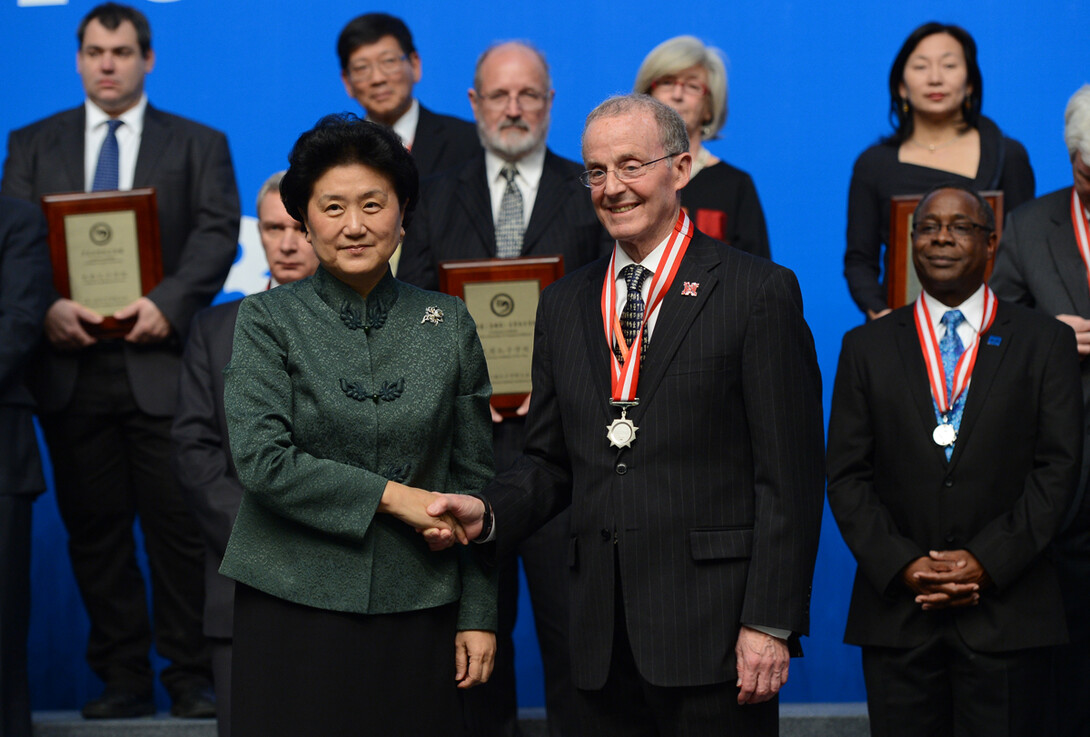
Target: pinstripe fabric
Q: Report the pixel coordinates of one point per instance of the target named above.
(714, 512)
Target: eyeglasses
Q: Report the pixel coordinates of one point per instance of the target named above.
(529, 101)
(688, 86)
(388, 65)
(627, 173)
(960, 229)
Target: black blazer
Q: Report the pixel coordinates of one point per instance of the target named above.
(25, 279)
(714, 511)
(190, 167)
(454, 221)
(442, 142)
(1002, 495)
(202, 454)
(1038, 265)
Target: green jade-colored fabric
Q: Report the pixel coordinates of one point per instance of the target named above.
(328, 396)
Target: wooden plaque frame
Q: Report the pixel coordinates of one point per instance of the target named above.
(901, 283)
(142, 203)
(455, 275)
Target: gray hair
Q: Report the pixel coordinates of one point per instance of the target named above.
(524, 44)
(1077, 124)
(272, 184)
(678, 54)
(674, 137)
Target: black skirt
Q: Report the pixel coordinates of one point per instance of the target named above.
(301, 671)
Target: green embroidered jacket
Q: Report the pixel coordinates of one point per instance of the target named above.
(328, 395)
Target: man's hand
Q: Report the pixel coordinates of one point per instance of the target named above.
(945, 579)
(474, 656)
(1081, 326)
(467, 511)
(763, 662)
(64, 325)
(151, 326)
(520, 411)
(409, 505)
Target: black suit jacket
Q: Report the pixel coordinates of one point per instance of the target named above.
(1038, 265)
(1002, 495)
(202, 454)
(714, 512)
(442, 142)
(25, 279)
(454, 221)
(190, 167)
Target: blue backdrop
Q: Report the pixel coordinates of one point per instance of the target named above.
(808, 93)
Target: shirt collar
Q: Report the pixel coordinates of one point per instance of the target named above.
(972, 309)
(529, 166)
(133, 118)
(405, 127)
(651, 262)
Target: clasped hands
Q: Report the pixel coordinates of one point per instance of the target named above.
(945, 579)
(65, 323)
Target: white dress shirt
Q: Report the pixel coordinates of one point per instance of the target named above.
(128, 141)
(405, 127)
(972, 310)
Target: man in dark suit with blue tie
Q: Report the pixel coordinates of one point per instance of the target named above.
(25, 279)
(106, 405)
(677, 409)
(955, 441)
(514, 198)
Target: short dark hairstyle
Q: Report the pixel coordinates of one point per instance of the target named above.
(368, 29)
(112, 15)
(900, 118)
(986, 210)
(340, 139)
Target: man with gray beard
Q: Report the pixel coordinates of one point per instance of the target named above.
(516, 198)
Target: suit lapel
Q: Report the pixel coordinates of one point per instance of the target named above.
(915, 377)
(550, 194)
(426, 140)
(993, 346)
(593, 330)
(153, 142)
(70, 145)
(676, 314)
(473, 196)
(1065, 254)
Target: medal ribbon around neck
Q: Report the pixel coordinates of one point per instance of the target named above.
(932, 356)
(626, 377)
(1082, 230)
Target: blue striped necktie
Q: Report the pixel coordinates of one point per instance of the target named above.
(951, 348)
(106, 177)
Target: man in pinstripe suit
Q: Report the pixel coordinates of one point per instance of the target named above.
(694, 524)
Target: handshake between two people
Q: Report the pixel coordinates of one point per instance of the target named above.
(443, 519)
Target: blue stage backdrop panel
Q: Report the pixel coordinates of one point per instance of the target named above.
(808, 93)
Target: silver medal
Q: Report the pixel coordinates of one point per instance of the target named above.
(621, 432)
(944, 434)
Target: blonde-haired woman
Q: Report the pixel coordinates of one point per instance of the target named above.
(691, 78)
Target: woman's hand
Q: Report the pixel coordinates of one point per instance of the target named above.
(409, 505)
(474, 655)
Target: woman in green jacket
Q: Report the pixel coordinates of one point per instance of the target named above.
(348, 394)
